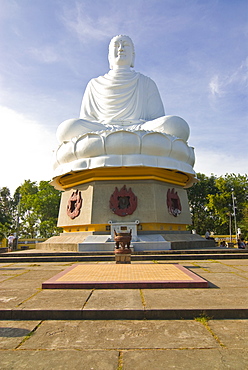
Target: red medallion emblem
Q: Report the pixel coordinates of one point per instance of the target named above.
(173, 203)
(123, 202)
(74, 204)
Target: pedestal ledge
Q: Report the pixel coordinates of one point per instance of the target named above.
(124, 148)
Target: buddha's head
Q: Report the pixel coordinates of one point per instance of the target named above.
(121, 52)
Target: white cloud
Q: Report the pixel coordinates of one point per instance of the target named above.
(220, 84)
(86, 27)
(218, 163)
(45, 54)
(240, 75)
(25, 150)
(214, 85)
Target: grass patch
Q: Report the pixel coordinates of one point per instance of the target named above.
(204, 319)
(120, 361)
(142, 298)
(29, 335)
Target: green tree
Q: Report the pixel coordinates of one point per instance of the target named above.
(39, 205)
(46, 204)
(7, 213)
(211, 203)
(243, 224)
(26, 212)
(202, 218)
(231, 197)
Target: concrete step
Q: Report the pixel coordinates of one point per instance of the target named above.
(136, 256)
(38, 252)
(130, 314)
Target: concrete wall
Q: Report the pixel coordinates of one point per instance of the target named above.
(151, 208)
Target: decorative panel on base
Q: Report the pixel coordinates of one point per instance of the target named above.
(96, 206)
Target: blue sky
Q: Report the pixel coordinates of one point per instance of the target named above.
(195, 51)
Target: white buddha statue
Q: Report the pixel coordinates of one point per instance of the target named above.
(122, 99)
(122, 124)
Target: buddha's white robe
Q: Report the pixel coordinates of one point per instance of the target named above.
(121, 98)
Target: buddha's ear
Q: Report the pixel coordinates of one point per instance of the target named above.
(132, 63)
(110, 62)
(133, 56)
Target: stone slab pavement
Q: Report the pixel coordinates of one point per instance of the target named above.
(33, 335)
(124, 344)
(22, 296)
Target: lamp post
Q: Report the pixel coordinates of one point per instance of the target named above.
(234, 214)
(18, 220)
(230, 225)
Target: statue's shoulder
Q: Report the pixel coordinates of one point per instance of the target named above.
(147, 80)
(96, 81)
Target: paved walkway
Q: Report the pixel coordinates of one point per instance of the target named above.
(197, 328)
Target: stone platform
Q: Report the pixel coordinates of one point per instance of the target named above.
(136, 276)
(22, 296)
(124, 328)
(89, 242)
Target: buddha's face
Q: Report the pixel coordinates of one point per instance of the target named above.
(121, 52)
